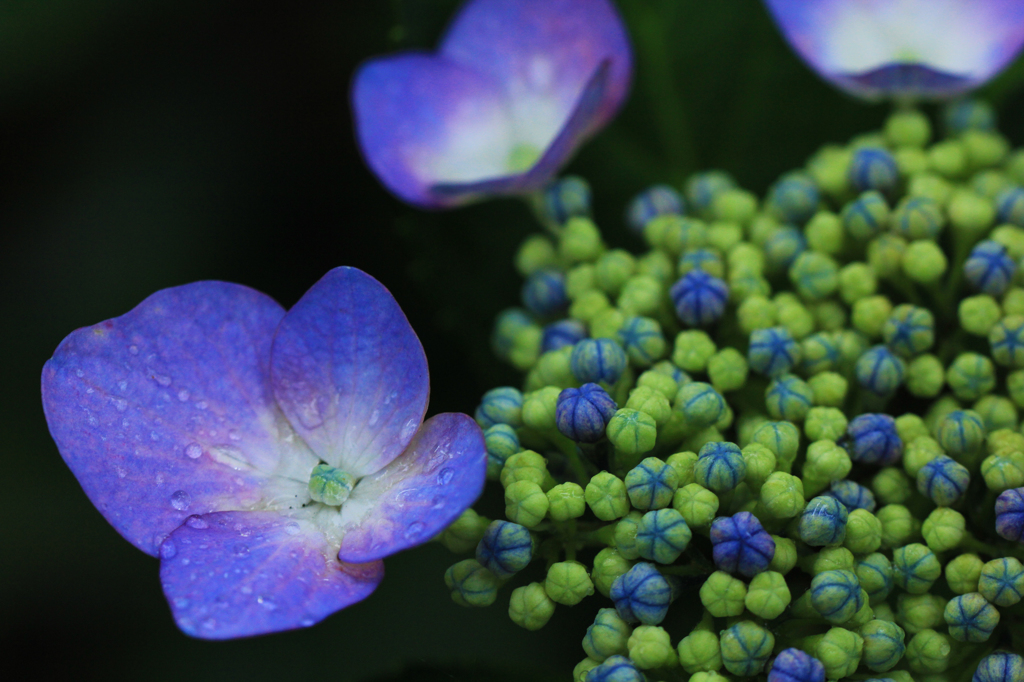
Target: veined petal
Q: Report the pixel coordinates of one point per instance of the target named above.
(423, 120)
(926, 48)
(237, 574)
(412, 499)
(543, 53)
(167, 411)
(349, 372)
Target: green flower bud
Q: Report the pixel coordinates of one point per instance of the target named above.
(782, 438)
(723, 595)
(824, 233)
(697, 504)
(1002, 581)
(608, 565)
(948, 158)
(863, 532)
(883, 645)
(984, 147)
(908, 128)
(928, 652)
(607, 323)
(641, 295)
(884, 612)
(566, 501)
(829, 389)
(971, 375)
(607, 635)
(885, 254)
(909, 426)
(925, 376)
(589, 305)
(625, 535)
(943, 529)
(525, 503)
(470, 584)
(826, 462)
(700, 652)
(632, 432)
(530, 607)
(539, 408)
(828, 559)
(897, 525)
(747, 257)
(660, 382)
(612, 269)
(524, 466)
(649, 647)
(580, 240)
(931, 186)
(919, 452)
(828, 168)
(746, 647)
(923, 261)
(783, 495)
(693, 350)
(1004, 471)
(1015, 387)
(744, 285)
(963, 573)
(825, 423)
(874, 573)
(760, 463)
(916, 612)
(979, 314)
(727, 370)
(535, 253)
(768, 595)
(568, 583)
(756, 312)
(797, 319)
(683, 463)
(723, 235)
(839, 650)
(891, 486)
(734, 205)
(971, 618)
(785, 555)
(970, 212)
(464, 533)
(579, 280)
(1004, 341)
(856, 281)
(579, 673)
(830, 315)
(915, 568)
(1012, 237)
(651, 402)
(606, 496)
(917, 218)
(870, 314)
(525, 347)
(814, 275)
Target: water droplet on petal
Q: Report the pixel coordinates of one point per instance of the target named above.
(197, 522)
(241, 549)
(444, 476)
(79, 373)
(307, 622)
(180, 500)
(234, 435)
(201, 405)
(374, 418)
(168, 549)
(161, 379)
(413, 529)
(266, 603)
(134, 350)
(438, 502)
(193, 450)
(181, 602)
(120, 404)
(182, 395)
(291, 528)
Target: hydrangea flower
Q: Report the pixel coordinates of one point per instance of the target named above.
(271, 459)
(513, 89)
(904, 48)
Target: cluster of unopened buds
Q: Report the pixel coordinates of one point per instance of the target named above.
(733, 417)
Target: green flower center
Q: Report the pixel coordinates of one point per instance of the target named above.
(330, 485)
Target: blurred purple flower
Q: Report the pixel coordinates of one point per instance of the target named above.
(932, 49)
(513, 89)
(195, 422)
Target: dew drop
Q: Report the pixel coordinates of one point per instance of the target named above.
(193, 450)
(79, 373)
(374, 418)
(120, 404)
(245, 589)
(122, 385)
(168, 549)
(154, 436)
(438, 502)
(121, 471)
(162, 379)
(266, 603)
(197, 522)
(182, 395)
(444, 476)
(307, 622)
(181, 602)
(134, 350)
(413, 529)
(180, 500)
(241, 549)
(201, 405)
(210, 623)
(234, 435)
(291, 528)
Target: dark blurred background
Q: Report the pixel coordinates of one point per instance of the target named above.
(150, 143)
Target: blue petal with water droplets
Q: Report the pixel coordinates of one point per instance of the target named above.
(167, 411)
(238, 574)
(416, 496)
(349, 372)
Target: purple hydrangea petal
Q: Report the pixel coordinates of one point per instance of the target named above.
(237, 574)
(349, 372)
(167, 411)
(923, 48)
(416, 496)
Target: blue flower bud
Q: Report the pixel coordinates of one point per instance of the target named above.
(773, 351)
(943, 480)
(746, 647)
(502, 405)
(874, 168)
(989, 268)
(1006, 341)
(836, 595)
(562, 333)
(651, 203)
(880, 371)
(873, 439)
(883, 644)
(651, 484)
(915, 568)
(823, 522)
(917, 218)
(789, 398)
(1001, 666)
(642, 340)
(793, 199)
(642, 594)
(968, 114)
(544, 293)
(702, 188)
(910, 330)
(853, 495)
(583, 413)
(1010, 206)
(699, 298)
(961, 433)
(720, 467)
(1010, 514)
(594, 360)
(874, 573)
(506, 548)
(565, 198)
(970, 617)
(501, 442)
(700, 404)
(793, 665)
(615, 669)
(1002, 581)
(662, 535)
(866, 216)
(741, 545)
(782, 248)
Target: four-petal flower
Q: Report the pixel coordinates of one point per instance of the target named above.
(513, 89)
(270, 459)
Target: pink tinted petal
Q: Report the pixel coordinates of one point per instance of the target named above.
(416, 496)
(928, 48)
(580, 122)
(167, 411)
(237, 574)
(543, 53)
(422, 120)
(350, 373)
